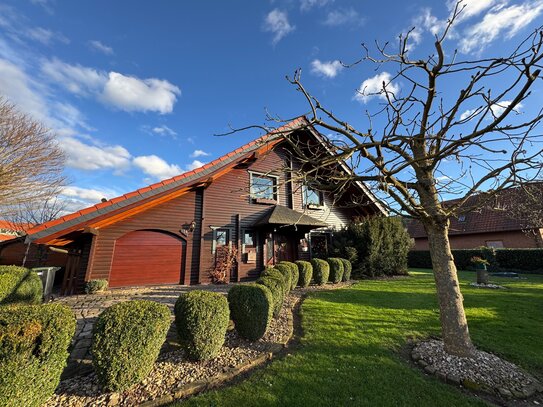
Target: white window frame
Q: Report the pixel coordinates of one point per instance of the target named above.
(265, 175)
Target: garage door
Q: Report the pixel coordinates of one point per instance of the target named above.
(146, 257)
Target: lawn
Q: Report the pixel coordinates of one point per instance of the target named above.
(349, 353)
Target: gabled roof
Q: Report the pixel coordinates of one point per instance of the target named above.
(125, 205)
(281, 215)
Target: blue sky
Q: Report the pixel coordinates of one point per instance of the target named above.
(136, 90)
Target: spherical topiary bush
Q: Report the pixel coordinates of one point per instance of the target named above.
(321, 271)
(276, 273)
(276, 286)
(306, 273)
(251, 309)
(34, 341)
(347, 269)
(336, 269)
(202, 318)
(96, 286)
(19, 285)
(295, 275)
(285, 271)
(127, 338)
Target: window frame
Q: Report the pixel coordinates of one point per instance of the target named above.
(310, 205)
(275, 187)
(216, 230)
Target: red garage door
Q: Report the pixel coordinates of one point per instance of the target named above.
(146, 257)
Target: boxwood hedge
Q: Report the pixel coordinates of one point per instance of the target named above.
(347, 269)
(34, 341)
(251, 309)
(277, 287)
(284, 269)
(294, 273)
(336, 269)
(19, 285)
(321, 271)
(127, 338)
(202, 318)
(306, 272)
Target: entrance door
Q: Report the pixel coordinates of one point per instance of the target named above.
(283, 246)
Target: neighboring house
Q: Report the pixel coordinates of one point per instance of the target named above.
(10, 230)
(492, 226)
(170, 231)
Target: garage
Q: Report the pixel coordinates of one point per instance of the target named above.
(146, 257)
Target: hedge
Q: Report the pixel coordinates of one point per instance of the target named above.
(294, 273)
(336, 269)
(347, 269)
(321, 271)
(34, 341)
(96, 286)
(202, 319)
(127, 338)
(306, 272)
(520, 260)
(277, 288)
(19, 285)
(285, 270)
(251, 309)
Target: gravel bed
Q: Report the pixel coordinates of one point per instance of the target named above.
(483, 371)
(172, 369)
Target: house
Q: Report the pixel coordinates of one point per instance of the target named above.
(11, 230)
(497, 224)
(169, 232)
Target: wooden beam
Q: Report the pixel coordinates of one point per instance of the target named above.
(91, 230)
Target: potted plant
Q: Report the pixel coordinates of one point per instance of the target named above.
(480, 267)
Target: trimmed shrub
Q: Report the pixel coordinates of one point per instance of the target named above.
(19, 285)
(202, 319)
(34, 341)
(347, 269)
(96, 286)
(276, 285)
(294, 274)
(251, 309)
(306, 272)
(284, 269)
(336, 269)
(321, 271)
(127, 338)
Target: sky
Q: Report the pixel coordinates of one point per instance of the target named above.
(136, 91)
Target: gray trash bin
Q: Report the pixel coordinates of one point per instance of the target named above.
(47, 275)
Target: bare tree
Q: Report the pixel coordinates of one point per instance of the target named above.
(428, 143)
(31, 213)
(31, 161)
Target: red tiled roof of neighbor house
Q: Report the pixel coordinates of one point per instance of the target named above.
(484, 220)
(11, 230)
(148, 193)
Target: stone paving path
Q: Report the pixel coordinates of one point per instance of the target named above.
(88, 307)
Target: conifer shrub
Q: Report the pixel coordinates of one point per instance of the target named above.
(321, 271)
(96, 286)
(347, 269)
(336, 269)
(251, 309)
(127, 338)
(19, 285)
(202, 318)
(34, 341)
(305, 269)
(284, 269)
(277, 287)
(294, 273)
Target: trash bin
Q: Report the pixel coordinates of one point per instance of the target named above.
(47, 275)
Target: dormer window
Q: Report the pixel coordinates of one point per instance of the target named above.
(312, 198)
(263, 188)
(461, 218)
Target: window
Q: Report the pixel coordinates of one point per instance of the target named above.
(496, 244)
(263, 187)
(249, 249)
(461, 218)
(311, 197)
(221, 237)
(248, 238)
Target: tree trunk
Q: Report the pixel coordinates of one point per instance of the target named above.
(454, 325)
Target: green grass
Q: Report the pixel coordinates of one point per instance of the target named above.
(349, 353)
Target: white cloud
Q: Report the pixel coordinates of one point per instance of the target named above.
(75, 78)
(94, 157)
(496, 109)
(470, 8)
(127, 93)
(277, 23)
(195, 164)
(86, 194)
(467, 114)
(500, 20)
(376, 86)
(344, 17)
(101, 47)
(133, 94)
(309, 4)
(46, 36)
(199, 153)
(164, 131)
(328, 69)
(156, 167)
